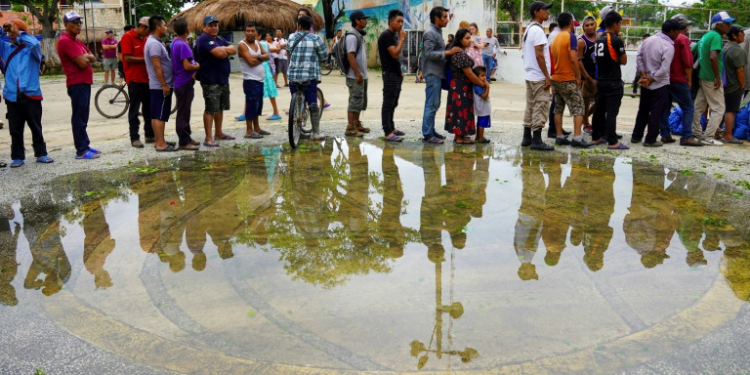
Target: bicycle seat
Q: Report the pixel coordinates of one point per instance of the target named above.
(299, 83)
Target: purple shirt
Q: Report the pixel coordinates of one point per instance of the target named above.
(181, 51)
(109, 53)
(655, 59)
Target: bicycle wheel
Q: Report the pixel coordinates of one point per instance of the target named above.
(326, 68)
(112, 101)
(321, 101)
(297, 115)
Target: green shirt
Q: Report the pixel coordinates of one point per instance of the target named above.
(735, 57)
(709, 42)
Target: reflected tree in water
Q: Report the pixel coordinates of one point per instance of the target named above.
(9, 232)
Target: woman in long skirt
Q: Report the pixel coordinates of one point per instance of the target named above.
(459, 113)
(269, 85)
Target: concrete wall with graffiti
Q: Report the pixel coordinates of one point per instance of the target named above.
(416, 16)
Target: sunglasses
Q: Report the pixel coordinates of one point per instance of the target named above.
(77, 22)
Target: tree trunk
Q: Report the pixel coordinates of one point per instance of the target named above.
(50, 51)
(328, 17)
(46, 13)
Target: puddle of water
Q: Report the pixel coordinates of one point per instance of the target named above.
(361, 256)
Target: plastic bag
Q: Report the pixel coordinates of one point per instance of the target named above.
(742, 123)
(675, 121)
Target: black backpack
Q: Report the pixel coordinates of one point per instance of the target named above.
(341, 55)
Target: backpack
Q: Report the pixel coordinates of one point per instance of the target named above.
(340, 53)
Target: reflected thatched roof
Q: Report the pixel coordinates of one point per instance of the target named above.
(233, 14)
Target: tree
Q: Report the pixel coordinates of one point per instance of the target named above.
(329, 17)
(508, 9)
(46, 11)
(166, 8)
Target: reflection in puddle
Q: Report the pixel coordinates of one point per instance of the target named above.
(325, 257)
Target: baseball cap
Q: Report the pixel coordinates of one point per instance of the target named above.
(357, 15)
(538, 5)
(71, 16)
(604, 11)
(576, 23)
(209, 19)
(109, 31)
(683, 20)
(23, 26)
(722, 16)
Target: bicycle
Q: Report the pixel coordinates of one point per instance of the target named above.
(115, 101)
(299, 114)
(328, 66)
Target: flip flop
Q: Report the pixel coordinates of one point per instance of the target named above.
(226, 137)
(484, 141)
(621, 146)
(169, 148)
(16, 163)
(190, 147)
(263, 132)
(399, 133)
(326, 105)
(254, 136)
(433, 140)
(393, 138)
(45, 160)
(210, 144)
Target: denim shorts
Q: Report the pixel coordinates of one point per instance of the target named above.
(253, 98)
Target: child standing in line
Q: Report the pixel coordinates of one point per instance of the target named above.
(482, 106)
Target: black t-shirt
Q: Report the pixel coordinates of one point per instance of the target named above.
(609, 48)
(588, 56)
(388, 39)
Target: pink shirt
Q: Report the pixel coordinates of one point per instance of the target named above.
(109, 53)
(68, 48)
(683, 58)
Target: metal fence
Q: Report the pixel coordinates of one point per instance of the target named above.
(639, 17)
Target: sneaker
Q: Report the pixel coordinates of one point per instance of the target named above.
(541, 146)
(318, 136)
(581, 144)
(88, 155)
(653, 144)
(691, 142)
(666, 140)
(562, 141)
(588, 129)
(734, 141)
(240, 118)
(711, 142)
(274, 118)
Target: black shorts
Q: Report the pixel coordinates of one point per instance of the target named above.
(733, 101)
(161, 106)
(121, 69)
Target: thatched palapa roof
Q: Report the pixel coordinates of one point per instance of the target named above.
(233, 14)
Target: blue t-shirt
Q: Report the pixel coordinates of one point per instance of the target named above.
(213, 71)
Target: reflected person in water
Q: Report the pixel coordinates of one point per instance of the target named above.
(97, 243)
(9, 231)
(431, 210)
(559, 211)
(41, 227)
(596, 194)
(530, 214)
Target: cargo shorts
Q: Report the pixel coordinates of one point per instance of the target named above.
(216, 97)
(568, 93)
(357, 95)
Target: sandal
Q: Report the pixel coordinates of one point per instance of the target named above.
(225, 137)
(399, 133)
(263, 132)
(210, 144)
(254, 136)
(734, 141)
(620, 146)
(433, 140)
(190, 147)
(88, 155)
(169, 148)
(45, 160)
(483, 141)
(393, 138)
(16, 163)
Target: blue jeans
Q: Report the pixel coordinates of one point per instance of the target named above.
(680, 93)
(489, 63)
(433, 91)
(253, 98)
(80, 99)
(311, 94)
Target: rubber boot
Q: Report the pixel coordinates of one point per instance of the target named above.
(526, 137)
(361, 128)
(351, 131)
(538, 144)
(315, 121)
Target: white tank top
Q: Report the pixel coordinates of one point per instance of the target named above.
(252, 73)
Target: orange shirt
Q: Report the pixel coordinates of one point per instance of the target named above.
(560, 50)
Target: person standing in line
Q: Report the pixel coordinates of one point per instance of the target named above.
(184, 68)
(587, 66)
(654, 62)
(536, 64)
(281, 61)
(22, 92)
(735, 59)
(356, 76)
(488, 53)
(566, 81)
(160, 81)
(434, 55)
(252, 57)
(477, 45)
(711, 88)
(213, 55)
(554, 29)
(746, 48)
(390, 44)
(680, 80)
(270, 91)
(637, 76)
(109, 46)
(120, 66)
(459, 112)
(136, 76)
(602, 15)
(610, 55)
(76, 61)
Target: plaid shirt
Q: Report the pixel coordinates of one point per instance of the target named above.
(304, 65)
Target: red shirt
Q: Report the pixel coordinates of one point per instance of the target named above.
(132, 44)
(683, 58)
(68, 48)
